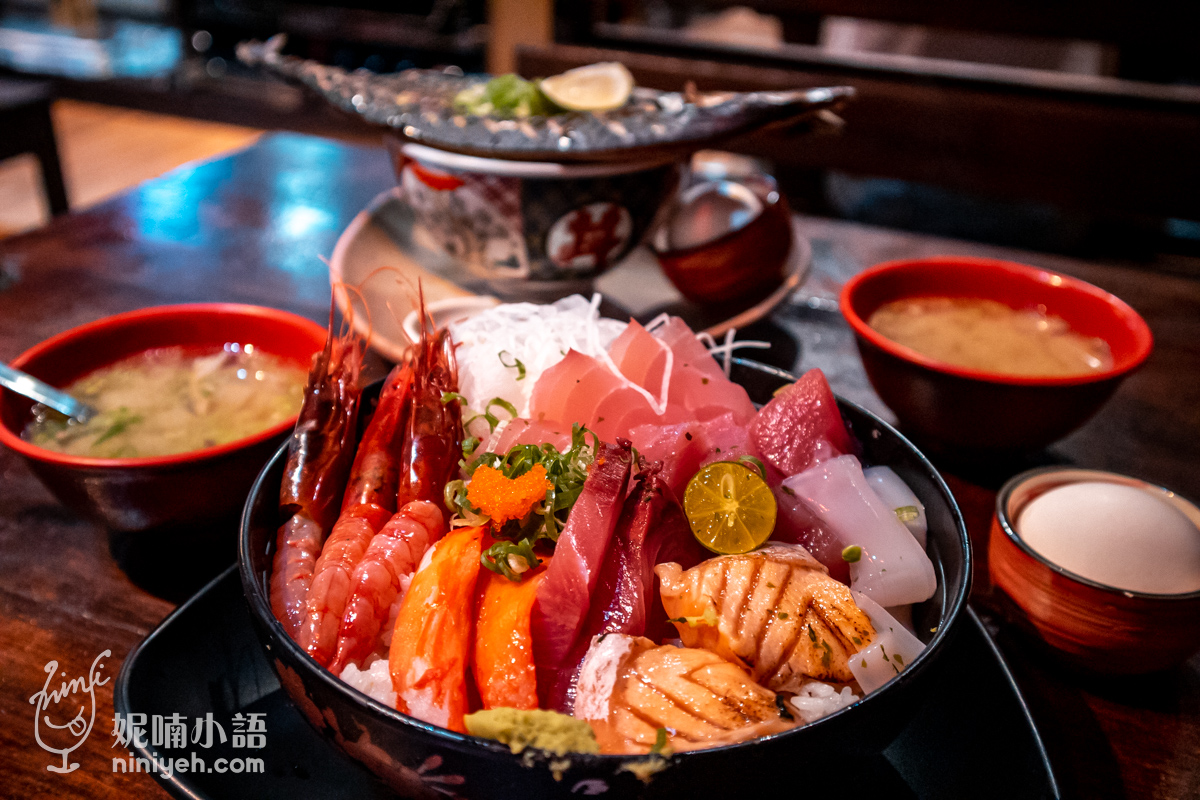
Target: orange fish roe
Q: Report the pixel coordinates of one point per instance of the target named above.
(504, 498)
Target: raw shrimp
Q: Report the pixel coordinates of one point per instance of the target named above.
(428, 656)
(368, 504)
(319, 456)
(380, 578)
(433, 444)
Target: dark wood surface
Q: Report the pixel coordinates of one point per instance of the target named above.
(250, 228)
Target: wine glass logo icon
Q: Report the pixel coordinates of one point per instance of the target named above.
(68, 693)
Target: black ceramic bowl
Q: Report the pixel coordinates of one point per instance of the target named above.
(422, 760)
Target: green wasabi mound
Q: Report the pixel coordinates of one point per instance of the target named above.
(545, 730)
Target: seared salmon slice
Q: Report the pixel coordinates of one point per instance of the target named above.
(629, 688)
(774, 611)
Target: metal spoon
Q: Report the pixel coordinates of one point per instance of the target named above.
(30, 386)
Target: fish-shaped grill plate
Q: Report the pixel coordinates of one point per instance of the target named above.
(418, 104)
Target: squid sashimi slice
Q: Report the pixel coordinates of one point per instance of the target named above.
(523, 431)
(432, 637)
(687, 349)
(503, 653)
(778, 613)
(641, 357)
(894, 648)
(706, 396)
(570, 390)
(892, 490)
(893, 569)
(630, 688)
(381, 576)
(565, 595)
(795, 524)
(801, 426)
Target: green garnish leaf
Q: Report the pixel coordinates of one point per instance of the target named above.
(709, 618)
(781, 614)
(812, 635)
(515, 365)
(907, 513)
(510, 559)
(123, 419)
(660, 742)
(450, 397)
(751, 461)
(852, 554)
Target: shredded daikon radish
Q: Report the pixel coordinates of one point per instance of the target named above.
(724, 351)
(504, 350)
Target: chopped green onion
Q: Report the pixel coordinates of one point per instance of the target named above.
(852, 554)
(516, 364)
(907, 513)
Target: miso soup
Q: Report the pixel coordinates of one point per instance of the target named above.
(174, 400)
(987, 335)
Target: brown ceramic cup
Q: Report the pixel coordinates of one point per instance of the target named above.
(1098, 627)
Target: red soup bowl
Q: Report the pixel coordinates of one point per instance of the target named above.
(138, 494)
(1098, 627)
(955, 409)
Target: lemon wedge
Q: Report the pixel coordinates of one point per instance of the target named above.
(596, 87)
(730, 508)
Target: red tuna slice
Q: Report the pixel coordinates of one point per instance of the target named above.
(679, 447)
(621, 602)
(670, 540)
(565, 593)
(688, 350)
(641, 357)
(706, 396)
(725, 439)
(795, 524)
(523, 431)
(570, 390)
(801, 426)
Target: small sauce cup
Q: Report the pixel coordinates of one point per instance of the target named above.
(1099, 627)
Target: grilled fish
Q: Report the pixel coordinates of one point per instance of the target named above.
(629, 688)
(774, 611)
(418, 105)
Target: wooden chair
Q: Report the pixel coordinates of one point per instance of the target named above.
(27, 128)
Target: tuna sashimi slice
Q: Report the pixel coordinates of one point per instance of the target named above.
(523, 431)
(570, 390)
(680, 448)
(705, 395)
(641, 357)
(565, 594)
(616, 413)
(801, 426)
(688, 350)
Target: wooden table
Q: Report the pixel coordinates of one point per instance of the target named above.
(250, 228)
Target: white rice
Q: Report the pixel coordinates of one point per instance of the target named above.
(375, 681)
(816, 699)
(538, 336)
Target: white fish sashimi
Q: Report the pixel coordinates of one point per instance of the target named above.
(891, 651)
(892, 490)
(893, 569)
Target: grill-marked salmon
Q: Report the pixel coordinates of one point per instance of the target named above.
(629, 689)
(775, 611)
